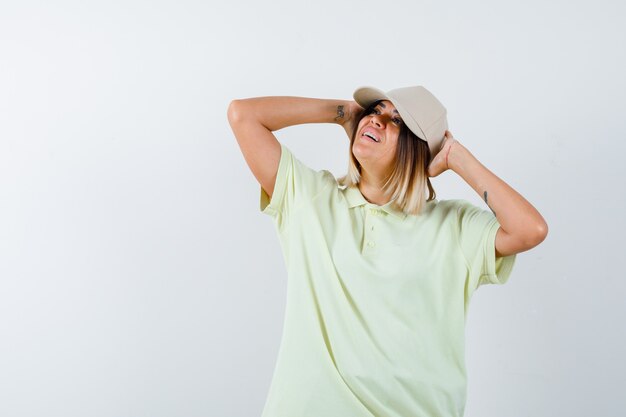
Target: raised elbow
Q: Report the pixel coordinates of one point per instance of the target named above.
(234, 112)
(541, 232)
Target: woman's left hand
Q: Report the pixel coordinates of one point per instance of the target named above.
(440, 162)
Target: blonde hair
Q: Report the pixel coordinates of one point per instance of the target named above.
(408, 180)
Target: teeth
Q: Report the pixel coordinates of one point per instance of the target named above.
(371, 136)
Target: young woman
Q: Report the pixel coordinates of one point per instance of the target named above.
(380, 272)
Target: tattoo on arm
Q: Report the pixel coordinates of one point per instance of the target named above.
(340, 114)
(485, 197)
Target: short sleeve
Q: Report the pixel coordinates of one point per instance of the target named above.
(295, 184)
(477, 230)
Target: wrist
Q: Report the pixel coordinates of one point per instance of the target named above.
(341, 112)
(457, 155)
(447, 154)
(350, 111)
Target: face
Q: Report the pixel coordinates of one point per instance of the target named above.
(384, 122)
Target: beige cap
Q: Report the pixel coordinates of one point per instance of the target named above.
(420, 110)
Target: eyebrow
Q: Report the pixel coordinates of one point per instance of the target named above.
(383, 106)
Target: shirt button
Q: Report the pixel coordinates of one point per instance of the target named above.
(372, 227)
(372, 244)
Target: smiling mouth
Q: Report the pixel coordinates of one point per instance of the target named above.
(368, 137)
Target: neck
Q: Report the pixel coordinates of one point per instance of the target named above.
(372, 189)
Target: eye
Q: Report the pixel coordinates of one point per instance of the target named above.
(396, 120)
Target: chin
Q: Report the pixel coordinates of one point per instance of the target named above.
(361, 153)
(357, 154)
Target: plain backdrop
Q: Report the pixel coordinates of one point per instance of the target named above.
(137, 274)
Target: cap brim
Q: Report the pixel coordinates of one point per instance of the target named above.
(364, 96)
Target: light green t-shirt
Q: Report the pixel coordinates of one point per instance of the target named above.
(376, 300)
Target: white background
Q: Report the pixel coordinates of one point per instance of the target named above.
(137, 274)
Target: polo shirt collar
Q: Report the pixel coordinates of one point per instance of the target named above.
(355, 198)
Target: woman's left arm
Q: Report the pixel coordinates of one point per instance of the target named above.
(521, 226)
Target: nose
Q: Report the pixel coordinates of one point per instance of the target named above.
(377, 120)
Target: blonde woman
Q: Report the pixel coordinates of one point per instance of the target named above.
(380, 272)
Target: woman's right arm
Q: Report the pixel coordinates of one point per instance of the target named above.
(254, 119)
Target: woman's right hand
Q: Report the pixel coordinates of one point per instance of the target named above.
(351, 111)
